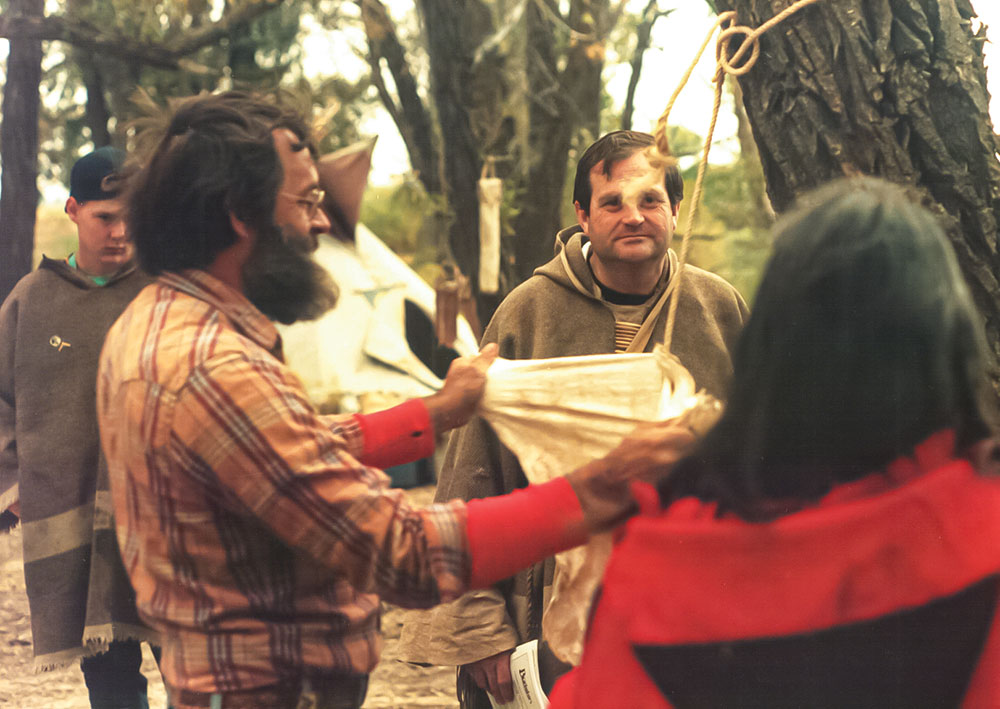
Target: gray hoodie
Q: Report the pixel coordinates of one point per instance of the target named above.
(557, 312)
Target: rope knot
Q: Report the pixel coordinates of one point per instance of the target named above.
(727, 59)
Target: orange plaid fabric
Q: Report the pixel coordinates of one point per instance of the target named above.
(253, 536)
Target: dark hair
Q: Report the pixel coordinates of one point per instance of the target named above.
(611, 149)
(863, 340)
(216, 156)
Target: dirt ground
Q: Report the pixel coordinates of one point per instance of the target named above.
(394, 684)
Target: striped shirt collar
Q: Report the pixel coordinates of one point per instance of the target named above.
(246, 318)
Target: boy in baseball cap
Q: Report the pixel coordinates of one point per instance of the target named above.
(52, 325)
(93, 205)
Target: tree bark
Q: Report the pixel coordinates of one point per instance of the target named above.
(452, 32)
(97, 112)
(522, 93)
(750, 157)
(563, 103)
(410, 115)
(19, 151)
(894, 88)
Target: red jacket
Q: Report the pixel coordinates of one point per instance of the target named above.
(883, 594)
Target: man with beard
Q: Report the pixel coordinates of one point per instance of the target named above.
(51, 329)
(254, 530)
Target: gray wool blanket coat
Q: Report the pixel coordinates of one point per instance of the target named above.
(551, 316)
(52, 328)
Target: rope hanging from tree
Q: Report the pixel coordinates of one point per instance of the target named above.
(549, 414)
(726, 63)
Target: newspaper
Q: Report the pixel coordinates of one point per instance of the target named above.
(528, 692)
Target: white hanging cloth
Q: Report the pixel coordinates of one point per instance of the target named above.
(558, 414)
(490, 190)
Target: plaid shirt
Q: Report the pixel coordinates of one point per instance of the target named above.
(252, 535)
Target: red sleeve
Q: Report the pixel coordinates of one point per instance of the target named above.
(561, 696)
(511, 532)
(398, 435)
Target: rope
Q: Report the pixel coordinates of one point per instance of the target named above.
(725, 64)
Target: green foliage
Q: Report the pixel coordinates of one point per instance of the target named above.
(410, 222)
(339, 106)
(268, 46)
(415, 224)
(255, 55)
(261, 55)
(395, 213)
(684, 142)
(731, 237)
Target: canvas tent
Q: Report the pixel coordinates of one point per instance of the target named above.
(360, 356)
(377, 347)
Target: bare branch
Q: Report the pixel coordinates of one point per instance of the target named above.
(408, 111)
(383, 91)
(87, 36)
(211, 34)
(650, 14)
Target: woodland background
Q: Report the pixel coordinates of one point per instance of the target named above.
(895, 88)
(888, 87)
(464, 81)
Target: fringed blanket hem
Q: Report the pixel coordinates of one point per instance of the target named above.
(96, 640)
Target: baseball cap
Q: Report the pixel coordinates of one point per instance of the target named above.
(88, 178)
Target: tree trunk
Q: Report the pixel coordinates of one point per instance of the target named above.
(643, 36)
(750, 159)
(97, 107)
(562, 105)
(452, 32)
(96, 112)
(19, 152)
(894, 88)
(523, 93)
(410, 115)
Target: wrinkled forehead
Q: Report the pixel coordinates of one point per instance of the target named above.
(631, 177)
(298, 165)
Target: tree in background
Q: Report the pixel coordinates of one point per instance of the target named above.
(522, 81)
(643, 34)
(109, 47)
(464, 80)
(250, 45)
(519, 81)
(894, 88)
(19, 158)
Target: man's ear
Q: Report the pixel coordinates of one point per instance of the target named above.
(242, 229)
(582, 218)
(675, 208)
(72, 208)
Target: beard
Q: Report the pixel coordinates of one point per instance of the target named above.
(282, 279)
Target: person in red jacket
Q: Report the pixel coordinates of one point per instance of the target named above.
(835, 539)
